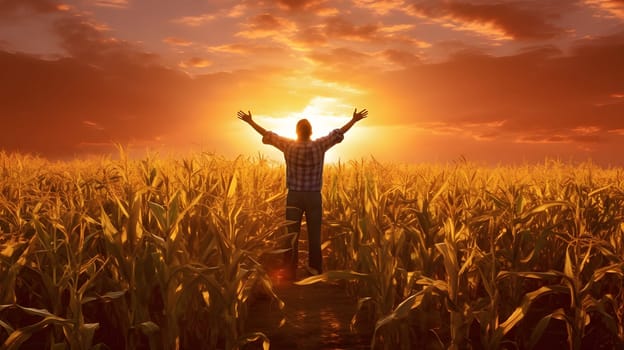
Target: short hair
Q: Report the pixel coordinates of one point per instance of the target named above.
(304, 129)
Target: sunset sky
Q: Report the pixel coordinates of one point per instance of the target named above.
(491, 81)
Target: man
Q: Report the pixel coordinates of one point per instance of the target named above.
(304, 176)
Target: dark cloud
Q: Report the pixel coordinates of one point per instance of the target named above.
(401, 58)
(311, 36)
(266, 25)
(302, 5)
(104, 90)
(519, 19)
(85, 42)
(615, 8)
(265, 21)
(66, 107)
(118, 4)
(177, 41)
(539, 89)
(339, 27)
(107, 89)
(51, 106)
(380, 7)
(16, 7)
(339, 57)
(570, 137)
(197, 62)
(299, 4)
(250, 48)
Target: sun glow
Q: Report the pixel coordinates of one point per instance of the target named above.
(324, 113)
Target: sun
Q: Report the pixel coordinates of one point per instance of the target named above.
(324, 113)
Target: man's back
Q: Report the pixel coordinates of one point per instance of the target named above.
(304, 177)
(304, 159)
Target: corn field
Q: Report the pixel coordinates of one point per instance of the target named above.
(161, 253)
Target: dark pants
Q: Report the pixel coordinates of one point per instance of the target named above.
(310, 203)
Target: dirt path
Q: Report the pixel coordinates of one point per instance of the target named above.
(317, 317)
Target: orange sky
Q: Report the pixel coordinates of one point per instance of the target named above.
(492, 81)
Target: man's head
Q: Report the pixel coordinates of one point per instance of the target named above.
(304, 130)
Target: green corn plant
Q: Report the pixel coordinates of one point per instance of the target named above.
(243, 238)
(60, 271)
(167, 253)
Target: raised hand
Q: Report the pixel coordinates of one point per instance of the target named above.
(357, 116)
(246, 117)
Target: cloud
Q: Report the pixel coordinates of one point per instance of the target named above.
(266, 24)
(195, 62)
(338, 27)
(71, 101)
(102, 90)
(335, 30)
(92, 125)
(10, 8)
(303, 5)
(580, 139)
(266, 21)
(295, 7)
(311, 36)
(396, 28)
(338, 57)
(79, 35)
(501, 21)
(248, 48)
(177, 41)
(478, 131)
(380, 7)
(87, 41)
(106, 90)
(235, 11)
(542, 94)
(118, 4)
(615, 8)
(38, 6)
(619, 132)
(400, 57)
(195, 21)
(79, 108)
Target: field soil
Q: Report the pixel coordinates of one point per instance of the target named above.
(316, 316)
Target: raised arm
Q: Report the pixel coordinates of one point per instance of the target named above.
(246, 117)
(357, 116)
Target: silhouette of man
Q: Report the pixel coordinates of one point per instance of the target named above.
(304, 176)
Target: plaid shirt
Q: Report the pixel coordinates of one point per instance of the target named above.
(304, 159)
